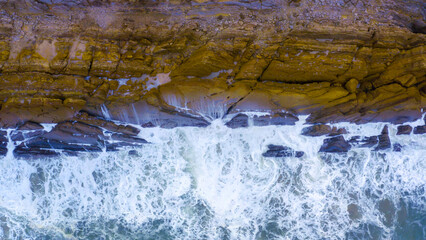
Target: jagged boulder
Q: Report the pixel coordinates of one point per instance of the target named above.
(384, 141)
(336, 144)
(322, 129)
(404, 129)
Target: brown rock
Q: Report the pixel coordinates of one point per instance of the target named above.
(404, 129)
(322, 129)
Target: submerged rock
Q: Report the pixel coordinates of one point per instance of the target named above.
(387, 210)
(335, 145)
(354, 211)
(282, 151)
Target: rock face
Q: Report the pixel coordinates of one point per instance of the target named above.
(185, 63)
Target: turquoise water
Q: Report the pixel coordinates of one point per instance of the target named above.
(214, 183)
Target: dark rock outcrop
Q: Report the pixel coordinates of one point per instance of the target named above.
(336, 144)
(322, 129)
(404, 130)
(420, 130)
(275, 119)
(3, 143)
(72, 137)
(384, 141)
(282, 151)
(240, 120)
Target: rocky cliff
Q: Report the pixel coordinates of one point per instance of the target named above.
(184, 63)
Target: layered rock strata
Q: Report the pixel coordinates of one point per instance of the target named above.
(185, 63)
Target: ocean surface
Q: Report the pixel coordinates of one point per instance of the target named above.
(214, 183)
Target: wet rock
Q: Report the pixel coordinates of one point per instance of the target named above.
(404, 130)
(30, 126)
(3, 143)
(335, 145)
(275, 119)
(127, 138)
(41, 143)
(23, 151)
(84, 117)
(384, 141)
(397, 147)
(240, 120)
(420, 130)
(282, 151)
(366, 142)
(17, 135)
(322, 129)
(75, 132)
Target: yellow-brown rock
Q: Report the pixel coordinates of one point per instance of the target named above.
(176, 63)
(351, 85)
(252, 69)
(203, 62)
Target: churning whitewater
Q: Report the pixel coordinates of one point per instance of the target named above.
(214, 183)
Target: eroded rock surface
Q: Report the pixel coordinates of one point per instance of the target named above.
(185, 63)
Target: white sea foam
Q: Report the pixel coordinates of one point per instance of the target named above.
(214, 183)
